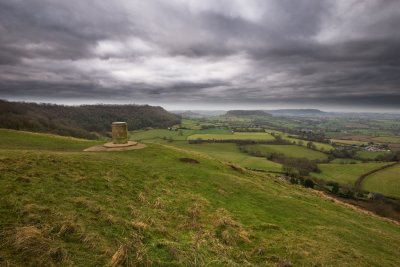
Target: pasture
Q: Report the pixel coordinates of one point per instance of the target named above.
(348, 142)
(293, 138)
(386, 181)
(370, 155)
(319, 146)
(228, 152)
(180, 134)
(345, 161)
(387, 139)
(233, 136)
(345, 173)
(293, 151)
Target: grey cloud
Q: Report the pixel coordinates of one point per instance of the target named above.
(309, 51)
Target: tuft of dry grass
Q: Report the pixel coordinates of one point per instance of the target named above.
(142, 197)
(158, 204)
(120, 256)
(236, 167)
(229, 231)
(30, 239)
(138, 225)
(68, 228)
(34, 244)
(131, 253)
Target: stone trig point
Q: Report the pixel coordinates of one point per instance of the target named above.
(119, 131)
(120, 140)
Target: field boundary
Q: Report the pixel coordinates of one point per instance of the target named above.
(360, 180)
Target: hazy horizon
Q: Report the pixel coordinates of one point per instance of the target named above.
(183, 107)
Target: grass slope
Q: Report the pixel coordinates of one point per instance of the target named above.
(12, 139)
(146, 207)
(230, 153)
(289, 150)
(345, 173)
(386, 181)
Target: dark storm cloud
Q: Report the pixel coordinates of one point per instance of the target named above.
(310, 51)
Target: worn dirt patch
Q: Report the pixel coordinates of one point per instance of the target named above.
(189, 160)
(107, 147)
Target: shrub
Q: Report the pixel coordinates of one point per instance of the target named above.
(309, 183)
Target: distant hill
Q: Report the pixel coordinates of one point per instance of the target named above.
(246, 113)
(296, 112)
(87, 121)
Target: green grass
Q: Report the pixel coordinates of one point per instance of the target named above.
(348, 142)
(230, 153)
(71, 208)
(159, 134)
(370, 155)
(171, 134)
(292, 138)
(386, 181)
(289, 151)
(387, 139)
(345, 161)
(11, 139)
(345, 173)
(191, 124)
(318, 145)
(233, 136)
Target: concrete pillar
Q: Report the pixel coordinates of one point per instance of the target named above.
(119, 132)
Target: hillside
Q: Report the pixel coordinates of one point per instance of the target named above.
(165, 206)
(85, 121)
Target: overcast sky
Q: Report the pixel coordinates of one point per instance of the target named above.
(216, 54)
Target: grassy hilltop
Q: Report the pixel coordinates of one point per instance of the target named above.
(152, 207)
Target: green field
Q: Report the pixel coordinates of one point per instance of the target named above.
(159, 134)
(233, 136)
(288, 150)
(387, 139)
(63, 207)
(370, 155)
(173, 134)
(345, 173)
(230, 153)
(348, 142)
(320, 146)
(345, 161)
(191, 124)
(386, 181)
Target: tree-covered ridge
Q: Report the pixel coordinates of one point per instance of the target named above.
(87, 121)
